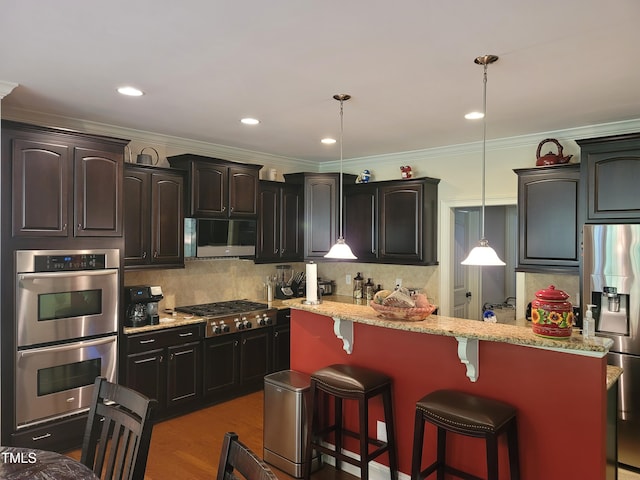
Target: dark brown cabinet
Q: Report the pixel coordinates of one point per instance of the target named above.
(321, 209)
(282, 341)
(280, 216)
(166, 365)
(549, 218)
(393, 221)
(153, 217)
(64, 184)
(219, 188)
(610, 172)
(236, 364)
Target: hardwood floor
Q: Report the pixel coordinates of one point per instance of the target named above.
(188, 447)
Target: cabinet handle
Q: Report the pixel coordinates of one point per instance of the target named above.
(144, 254)
(275, 334)
(144, 342)
(155, 254)
(80, 227)
(41, 437)
(283, 251)
(231, 209)
(64, 227)
(161, 358)
(224, 209)
(171, 356)
(275, 251)
(188, 334)
(235, 343)
(244, 341)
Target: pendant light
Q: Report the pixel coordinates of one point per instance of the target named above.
(483, 254)
(341, 250)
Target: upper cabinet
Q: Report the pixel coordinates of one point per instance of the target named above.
(280, 216)
(63, 184)
(610, 172)
(219, 188)
(321, 209)
(549, 220)
(153, 217)
(393, 221)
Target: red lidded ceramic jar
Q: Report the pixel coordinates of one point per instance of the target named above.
(551, 313)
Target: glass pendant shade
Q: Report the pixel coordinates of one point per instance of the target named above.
(341, 251)
(483, 255)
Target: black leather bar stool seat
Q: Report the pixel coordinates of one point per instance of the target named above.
(470, 415)
(357, 383)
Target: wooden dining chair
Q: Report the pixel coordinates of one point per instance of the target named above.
(237, 461)
(118, 432)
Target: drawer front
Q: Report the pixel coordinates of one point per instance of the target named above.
(163, 338)
(59, 436)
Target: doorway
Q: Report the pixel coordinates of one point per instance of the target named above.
(474, 287)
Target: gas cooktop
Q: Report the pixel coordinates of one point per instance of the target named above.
(223, 308)
(232, 316)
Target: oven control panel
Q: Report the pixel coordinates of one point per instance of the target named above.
(60, 263)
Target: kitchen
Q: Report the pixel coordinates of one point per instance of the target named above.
(203, 280)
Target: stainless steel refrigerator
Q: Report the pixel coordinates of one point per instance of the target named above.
(611, 282)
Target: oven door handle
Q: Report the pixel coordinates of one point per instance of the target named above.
(46, 275)
(67, 346)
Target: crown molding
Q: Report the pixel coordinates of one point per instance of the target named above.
(179, 144)
(436, 153)
(6, 88)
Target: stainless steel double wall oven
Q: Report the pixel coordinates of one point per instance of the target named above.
(66, 306)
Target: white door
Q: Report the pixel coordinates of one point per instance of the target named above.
(466, 280)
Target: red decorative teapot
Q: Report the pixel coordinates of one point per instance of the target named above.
(550, 158)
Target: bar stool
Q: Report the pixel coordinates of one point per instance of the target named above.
(464, 414)
(350, 382)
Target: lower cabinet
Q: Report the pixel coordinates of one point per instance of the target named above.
(58, 436)
(167, 366)
(282, 341)
(236, 364)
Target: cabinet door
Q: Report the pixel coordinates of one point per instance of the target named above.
(221, 365)
(184, 372)
(548, 217)
(40, 188)
(360, 213)
(291, 218)
(255, 356)
(243, 188)
(209, 194)
(136, 217)
(146, 374)
(268, 241)
(613, 185)
(321, 200)
(167, 219)
(281, 347)
(98, 193)
(401, 222)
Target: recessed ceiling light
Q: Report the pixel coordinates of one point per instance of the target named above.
(328, 141)
(474, 115)
(250, 121)
(130, 91)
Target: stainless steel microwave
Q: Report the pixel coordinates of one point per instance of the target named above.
(212, 237)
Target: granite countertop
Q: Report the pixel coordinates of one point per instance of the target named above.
(166, 321)
(519, 334)
(613, 374)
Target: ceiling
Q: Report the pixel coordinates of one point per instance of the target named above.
(408, 65)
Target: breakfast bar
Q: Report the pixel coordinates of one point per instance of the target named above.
(558, 386)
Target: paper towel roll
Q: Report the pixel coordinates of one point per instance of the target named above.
(312, 283)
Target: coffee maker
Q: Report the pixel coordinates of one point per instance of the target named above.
(142, 305)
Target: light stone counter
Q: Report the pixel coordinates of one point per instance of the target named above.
(166, 321)
(519, 334)
(613, 374)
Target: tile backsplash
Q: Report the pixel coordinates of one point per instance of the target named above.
(214, 280)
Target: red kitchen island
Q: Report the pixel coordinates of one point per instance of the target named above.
(559, 387)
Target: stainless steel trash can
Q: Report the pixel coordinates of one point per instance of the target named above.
(285, 426)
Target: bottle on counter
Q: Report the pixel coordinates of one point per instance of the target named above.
(588, 324)
(358, 286)
(369, 289)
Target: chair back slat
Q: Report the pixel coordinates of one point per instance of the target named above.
(237, 461)
(118, 432)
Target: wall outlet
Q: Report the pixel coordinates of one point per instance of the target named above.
(398, 282)
(348, 279)
(381, 431)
